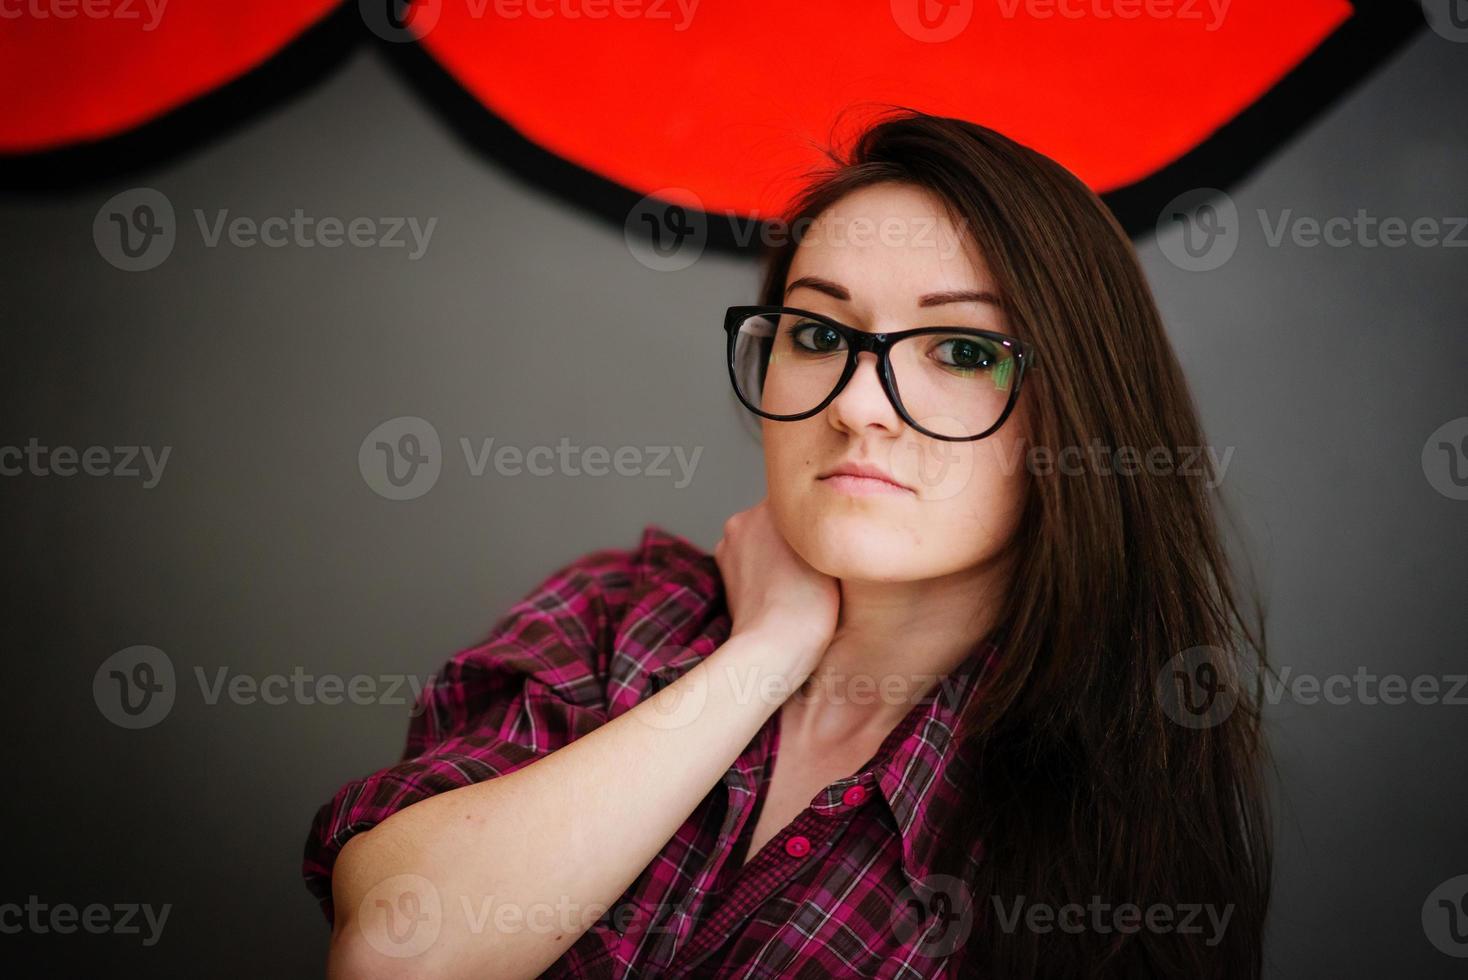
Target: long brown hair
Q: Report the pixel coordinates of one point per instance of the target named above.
(1086, 784)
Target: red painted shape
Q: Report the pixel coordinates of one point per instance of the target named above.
(722, 102)
(72, 76)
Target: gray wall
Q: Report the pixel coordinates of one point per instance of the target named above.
(263, 549)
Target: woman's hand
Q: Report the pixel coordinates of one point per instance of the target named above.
(771, 590)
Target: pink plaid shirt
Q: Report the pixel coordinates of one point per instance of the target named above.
(852, 887)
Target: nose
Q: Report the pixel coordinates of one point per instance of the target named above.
(863, 403)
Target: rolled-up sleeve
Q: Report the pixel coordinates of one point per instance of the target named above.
(535, 684)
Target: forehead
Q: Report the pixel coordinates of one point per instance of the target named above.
(890, 238)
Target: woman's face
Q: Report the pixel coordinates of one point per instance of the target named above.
(883, 259)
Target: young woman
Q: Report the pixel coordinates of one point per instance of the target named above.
(926, 711)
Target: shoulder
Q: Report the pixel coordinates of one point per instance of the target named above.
(675, 593)
(596, 625)
(620, 579)
(589, 637)
(663, 557)
(674, 615)
(600, 588)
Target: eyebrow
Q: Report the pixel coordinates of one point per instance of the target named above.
(837, 291)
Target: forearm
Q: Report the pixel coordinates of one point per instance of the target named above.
(561, 839)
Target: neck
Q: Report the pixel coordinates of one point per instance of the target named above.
(894, 643)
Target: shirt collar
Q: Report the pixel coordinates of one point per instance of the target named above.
(922, 772)
(918, 768)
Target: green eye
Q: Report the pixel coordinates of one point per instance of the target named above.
(818, 338)
(967, 353)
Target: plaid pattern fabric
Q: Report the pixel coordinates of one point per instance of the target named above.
(852, 887)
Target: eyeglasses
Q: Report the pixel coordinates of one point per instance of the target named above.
(788, 364)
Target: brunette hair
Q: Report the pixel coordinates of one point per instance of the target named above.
(1084, 784)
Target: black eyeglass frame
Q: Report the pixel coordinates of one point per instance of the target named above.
(858, 341)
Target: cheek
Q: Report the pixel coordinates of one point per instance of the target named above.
(971, 498)
(782, 456)
(792, 457)
(996, 493)
(973, 493)
(974, 475)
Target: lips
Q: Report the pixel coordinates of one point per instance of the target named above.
(864, 471)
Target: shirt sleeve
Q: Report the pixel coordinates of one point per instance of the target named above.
(535, 684)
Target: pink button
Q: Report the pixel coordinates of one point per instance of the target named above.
(797, 846)
(854, 795)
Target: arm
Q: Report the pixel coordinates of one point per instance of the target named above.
(563, 837)
(559, 840)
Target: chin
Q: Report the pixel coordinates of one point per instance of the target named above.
(858, 544)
